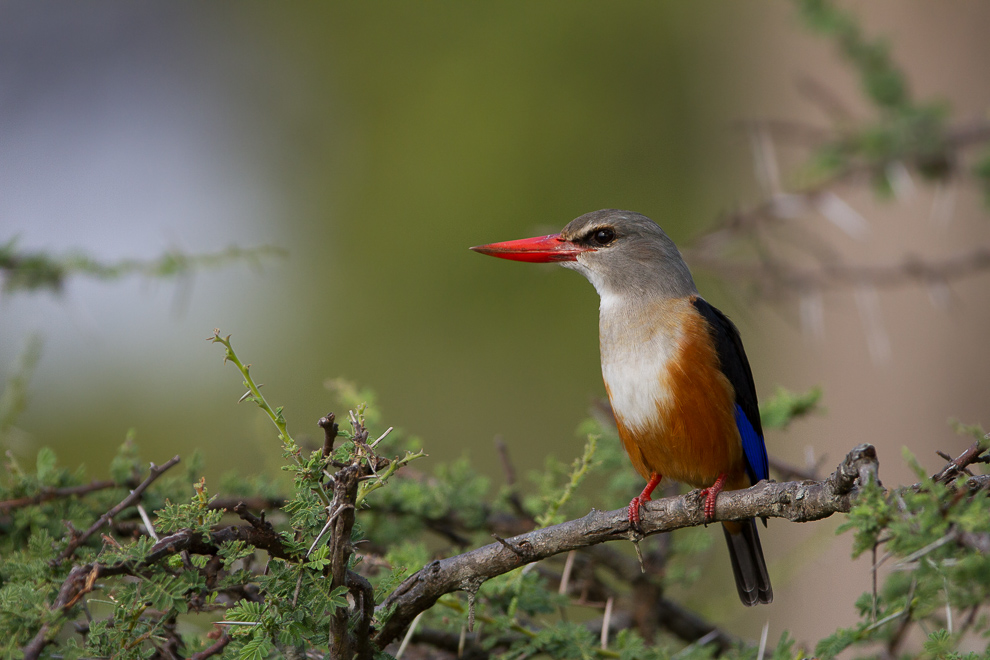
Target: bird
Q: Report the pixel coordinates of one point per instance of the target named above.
(675, 371)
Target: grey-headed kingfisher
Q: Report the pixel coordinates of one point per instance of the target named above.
(674, 367)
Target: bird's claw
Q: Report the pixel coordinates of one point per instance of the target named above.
(709, 496)
(634, 505)
(709, 504)
(640, 500)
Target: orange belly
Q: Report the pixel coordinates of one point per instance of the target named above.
(692, 438)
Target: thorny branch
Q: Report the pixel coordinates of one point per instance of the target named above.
(132, 499)
(342, 513)
(82, 579)
(799, 501)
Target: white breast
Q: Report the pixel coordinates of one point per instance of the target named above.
(637, 352)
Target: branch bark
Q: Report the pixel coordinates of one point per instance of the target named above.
(797, 501)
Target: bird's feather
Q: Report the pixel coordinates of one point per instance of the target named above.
(735, 366)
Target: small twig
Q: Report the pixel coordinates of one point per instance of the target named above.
(952, 535)
(894, 643)
(409, 634)
(763, 640)
(48, 494)
(381, 437)
(326, 527)
(295, 594)
(214, 649)
(147, 523)
(606, 621)
(330, 431)
(507, 467)
(971, 455)
(519, 553)
(873, 616)
(565, 577)
(510, 478)
(130, 500)
(259, 524)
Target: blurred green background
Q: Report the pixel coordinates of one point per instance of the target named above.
(376, 142)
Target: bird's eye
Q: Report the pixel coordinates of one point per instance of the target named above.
(603, 236)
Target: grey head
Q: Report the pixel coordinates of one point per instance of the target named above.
(627, 254)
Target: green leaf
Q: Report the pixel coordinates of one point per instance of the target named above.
(257, 648)
(784, 407)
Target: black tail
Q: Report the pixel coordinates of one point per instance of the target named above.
(748, 565)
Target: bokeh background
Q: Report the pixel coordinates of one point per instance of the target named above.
(376, 142)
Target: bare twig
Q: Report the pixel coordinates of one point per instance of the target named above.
(955, 467)
(330, 430)
(214, 649)
(48, 494)
(510, 478)
(130, 500)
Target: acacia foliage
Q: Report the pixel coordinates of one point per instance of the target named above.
(260, 557)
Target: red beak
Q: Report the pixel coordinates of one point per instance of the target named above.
(542, 249)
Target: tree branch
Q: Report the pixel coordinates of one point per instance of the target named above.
(798, 501)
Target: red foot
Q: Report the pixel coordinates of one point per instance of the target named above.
(642, 499)
(710, 494)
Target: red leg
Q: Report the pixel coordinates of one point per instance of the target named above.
(642, 499)
(710, 494)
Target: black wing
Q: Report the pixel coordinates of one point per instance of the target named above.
(735, 366)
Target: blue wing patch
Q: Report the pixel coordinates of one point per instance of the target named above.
(753, 446)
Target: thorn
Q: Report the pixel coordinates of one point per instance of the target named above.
(381, 437)
(877, 339)
(763, 640)
(842, 215)
(943, 204)
(565, 577)
(812, 311)
(516, 551)
(607, 620)
(245, 396)
(900, 180)
(409, 634)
